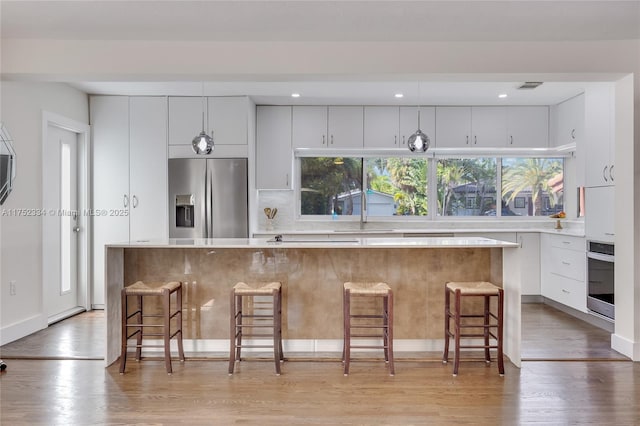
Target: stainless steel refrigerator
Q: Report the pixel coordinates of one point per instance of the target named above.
(208, 198)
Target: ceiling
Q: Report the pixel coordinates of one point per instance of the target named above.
(331, 21)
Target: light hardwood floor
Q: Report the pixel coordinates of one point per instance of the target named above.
(83, 392)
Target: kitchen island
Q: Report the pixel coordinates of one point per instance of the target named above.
(312, 274)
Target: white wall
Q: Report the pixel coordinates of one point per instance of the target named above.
(21, 237)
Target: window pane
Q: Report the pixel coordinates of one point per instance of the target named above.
(330, 186)
(532, 186)
(466, 187)
(396, 186)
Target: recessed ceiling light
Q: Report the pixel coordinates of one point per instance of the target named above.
(399, 95)
(295, 95)
(502, 95)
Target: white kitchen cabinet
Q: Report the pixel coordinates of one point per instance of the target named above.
(225, 119)
(273, 147)
(599, 218)
(488, 127)
(328, 127)
(309, 126)
(569, 122)
(129, 174)
(528, 126)
(563, 270)
(109, 117)
(148, 186)
(599, 135)
(382, 126)
(492, 127)
(346, 126)
(453, 127)
(409, 123)
(185, 118)
(391, 126)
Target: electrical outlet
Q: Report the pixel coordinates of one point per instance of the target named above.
(12, 288)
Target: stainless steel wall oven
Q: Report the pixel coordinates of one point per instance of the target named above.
(600, 286)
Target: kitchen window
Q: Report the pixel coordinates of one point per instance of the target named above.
(399, 186)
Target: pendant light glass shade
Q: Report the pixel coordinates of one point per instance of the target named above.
(419, 141)
(203, 143)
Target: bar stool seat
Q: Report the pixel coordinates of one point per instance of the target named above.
(364, 321)
(139, 290)
(257, 320)
(491, 327)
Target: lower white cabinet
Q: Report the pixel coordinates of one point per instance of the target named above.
(563, 261)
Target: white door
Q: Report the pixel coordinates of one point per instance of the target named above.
(60, 219)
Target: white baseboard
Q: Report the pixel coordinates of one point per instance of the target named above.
(626, 347)
(23, 328)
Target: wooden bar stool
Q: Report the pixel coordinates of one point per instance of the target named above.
(366, 289)
(136, 320)
(491, 326)
(258, 319)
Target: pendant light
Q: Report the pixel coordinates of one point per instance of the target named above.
(203, 143)
(418, 141)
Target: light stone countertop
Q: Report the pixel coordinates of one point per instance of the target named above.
(347, 242)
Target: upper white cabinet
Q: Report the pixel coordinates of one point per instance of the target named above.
(391, 126)
(569, 122)
(129, 137)
(489, 126)
(228, 119)
(273, 147)
(528, 126)
(225, 119)
(453, 127)
(599, 135)
(328, 127)
(309, 126)
(381, 126)
(492, 127)
(346, 126)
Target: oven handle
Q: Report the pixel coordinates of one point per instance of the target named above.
(600, 256)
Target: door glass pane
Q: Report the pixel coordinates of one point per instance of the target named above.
(467, 187)
(65, 218)
(330, 186)
(532, 186)
(396, 186)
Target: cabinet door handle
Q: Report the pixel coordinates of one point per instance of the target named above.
(125, 201)
(403, 141)
(331, 139)
(611, 172)
(134, 201)
(566, 242)
(467, 139)
(287, 180)
(395, 140)
(323, 139)
(511, 140)
(475, 140)
(611, 234)
(573, 133)
(566, 263)
(566, 291)
(604, 174)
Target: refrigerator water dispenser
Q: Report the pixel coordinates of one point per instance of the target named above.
(184, 211)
